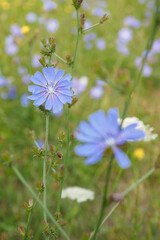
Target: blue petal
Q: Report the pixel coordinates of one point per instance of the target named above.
(122, 159)
(99, 122)
(67, 92)
(59, 75)
(130, 133)
(64, 98)
(40, 100)
(35, 96)
(113, 121)
(84, 138)
(57, 104)
(67, 77)
(86, 149)
(49, 74)
(35, 89)
(64, 84)
(49, 102)
(88, 130)
(94, 158)
(39, 79)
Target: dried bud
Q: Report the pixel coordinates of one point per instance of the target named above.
(104, 18)
(55, 176)
(82, 21)
(116, 197)
(77, 3)
(59, 154)
(74, 100)
(42, 61)
(40, 186)
(69, 60)
(61, 170)
(21, 230)
(63, 223)
(57, 215)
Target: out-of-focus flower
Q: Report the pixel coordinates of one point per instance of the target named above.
(156, 46)
(139, 153)
(22, 70)
(52, 88)
(125, 35)
(148, 135)
(49, 5)
(52, 25)
(3, 82)
(9, 40)
(26, 79)
(101, 44)
(11, 49)
(104, 132)
(15, 29)
(35, 60)
(98, 12)
(24, 100)
(131, 21)
(96, 92)
(122, 48)
(78, 193)
(12, 94)
(147, 69)
(80, 85)
(31, 17)
(25, 29)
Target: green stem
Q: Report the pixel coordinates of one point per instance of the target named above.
(68, 121)
(60, 58)
(128, 190)
(104, 201)
(21, 178)
(44, 168)
(28, 223)
(139, 75)
(90, 28)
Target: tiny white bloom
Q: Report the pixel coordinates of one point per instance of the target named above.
(149, 135)
(78, 193)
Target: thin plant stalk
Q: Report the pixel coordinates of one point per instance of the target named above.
(68, 120)
(64, 61)
(104, 201)
(127, 191)
(44, 168)
(91, 27)
(21, 178)
(139, 75)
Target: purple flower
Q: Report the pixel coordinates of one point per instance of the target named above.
(96, 92)
(104, 132)
(52, 25)
(31, 17)
(80, 85)
(26, 79)
(15, 29)
(101, 44)
(125, 35)
(24, 100)
(131, 21)
(3, 82)
(11, 49)
(12, 94)
(52, 88)
(35, 61)
(48, 5)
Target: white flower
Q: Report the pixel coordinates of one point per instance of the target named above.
(141, 126)
(78, 193)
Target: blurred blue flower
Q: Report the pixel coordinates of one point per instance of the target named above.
(3, 82)
(52, 25)
(52, 88)
(26, 79)
(35, 60)
(31, 17)
(96, 92)
(12, 94)
(101, 44)
(49, 5)
(24, 100)
(131, 21)
(125, 35)
(22, 70)
(11, 49)
(80, 85)
(104, 132)
(15, 29)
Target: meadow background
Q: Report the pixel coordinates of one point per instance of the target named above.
(98, 58)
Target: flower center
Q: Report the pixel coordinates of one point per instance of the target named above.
(50, 90)
(110, 141)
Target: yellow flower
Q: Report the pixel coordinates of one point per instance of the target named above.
(5, 5)
(139, 153)
(25, 29)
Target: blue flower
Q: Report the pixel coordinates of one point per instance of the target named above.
(104, 132)
(52, 88)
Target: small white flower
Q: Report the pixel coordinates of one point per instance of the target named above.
(78, 193)
(141, 126)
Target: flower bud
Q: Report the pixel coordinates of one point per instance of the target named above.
(69, 60)
(40, 186)
(21, 230)
(82, 21)
(77, 3)
(59, 154)
(104, 18)
(42, 61)
(74, 100)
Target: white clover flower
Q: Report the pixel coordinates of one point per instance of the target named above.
(78, 193)
(147, 129)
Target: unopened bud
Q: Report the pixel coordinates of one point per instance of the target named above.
(21, 230)
(40, 186)
(43, 41)
(51, 40)
(104, 18)
(42, 61)
(74, 101)
(77, 3)
(69, 60)
(82, 20)
(116, 197)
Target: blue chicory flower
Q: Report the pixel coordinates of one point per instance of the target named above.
(104, 132)
(52, 88)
